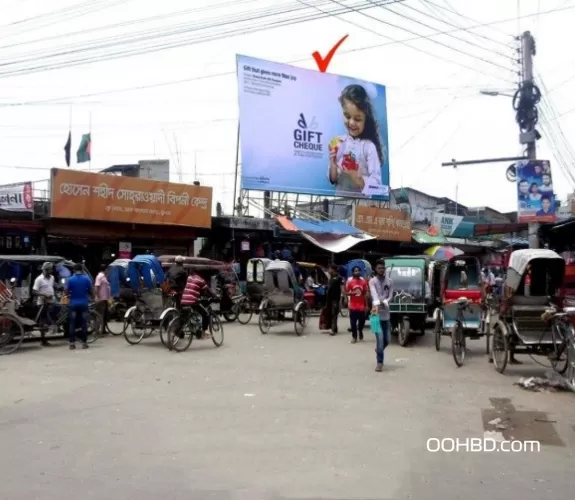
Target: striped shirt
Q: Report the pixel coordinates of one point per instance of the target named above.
(195, 285)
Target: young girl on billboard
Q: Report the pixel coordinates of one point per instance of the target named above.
(355, 159)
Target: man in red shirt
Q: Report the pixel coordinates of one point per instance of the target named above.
(195, 288)
(356, 289)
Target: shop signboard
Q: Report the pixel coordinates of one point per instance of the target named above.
(535, 197)
(17, 197)
(125, 250)
(307, 132)
(383, 223)
(448, 224)
(88, 196)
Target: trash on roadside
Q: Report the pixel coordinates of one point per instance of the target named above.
(552, 382)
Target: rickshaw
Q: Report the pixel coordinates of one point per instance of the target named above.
(412, 296)
(315, 299)
(531, 319)
(460, 312)
(146, 276)
(122, 295)
(283, 299)
(366, 272)
(255, 289)
(220, 276)
(19, 313)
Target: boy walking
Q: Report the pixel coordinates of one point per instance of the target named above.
(356, 290)
(381, 289)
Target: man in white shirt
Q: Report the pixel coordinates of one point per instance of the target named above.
(43, 290)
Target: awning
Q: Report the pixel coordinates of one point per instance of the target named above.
(488, 229)
(333, 236)
(424, 237)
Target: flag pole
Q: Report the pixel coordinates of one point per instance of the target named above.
(90, 132)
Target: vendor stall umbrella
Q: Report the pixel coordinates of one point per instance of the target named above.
(443, 253)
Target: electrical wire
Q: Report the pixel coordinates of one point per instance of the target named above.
(229, 73)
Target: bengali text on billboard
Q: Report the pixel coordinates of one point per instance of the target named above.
(535, 197)
(307, 132)
(383, 223)
(89, 196)
(17, 197)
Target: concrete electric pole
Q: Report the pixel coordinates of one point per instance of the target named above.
(527, 114)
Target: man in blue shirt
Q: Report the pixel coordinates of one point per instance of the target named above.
(79, 289)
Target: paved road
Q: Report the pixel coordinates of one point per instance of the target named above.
(272, 417)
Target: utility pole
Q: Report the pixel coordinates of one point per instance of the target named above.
(528, 135)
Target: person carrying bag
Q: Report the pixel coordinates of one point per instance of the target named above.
(381, 289)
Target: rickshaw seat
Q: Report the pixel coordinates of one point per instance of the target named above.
(522, 300)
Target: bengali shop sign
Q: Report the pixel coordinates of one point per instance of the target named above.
(16, 197)
(89, 196)
(383, 223)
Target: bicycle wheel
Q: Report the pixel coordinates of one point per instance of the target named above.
(116, 328)
(499, 348)
(11, 334)
(570, 375)
(245, 311)
(179, 337)
(300, 321)
(438, 332)
(558, 357)
(458, 344)
(94, 326)
(164, 326)
(138, 326)
(265, 321)
(216, 330)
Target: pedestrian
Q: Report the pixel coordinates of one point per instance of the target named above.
(79, 289)
(357, 290)
(381, 289)
(333, 298)
(43, 290)
(102, 293)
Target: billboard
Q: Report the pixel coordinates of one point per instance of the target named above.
(535, 197)
(383, 223)
(17, 197)
(88, 196)
(311, 133)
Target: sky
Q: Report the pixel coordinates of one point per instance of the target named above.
(65, 64)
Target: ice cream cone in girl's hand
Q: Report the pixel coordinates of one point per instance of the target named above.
(334, 143)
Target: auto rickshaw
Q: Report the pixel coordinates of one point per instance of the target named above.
(460, 311)
(532, 319)
(410, 304)
(283, 298)
(255, 289)
(314, 295)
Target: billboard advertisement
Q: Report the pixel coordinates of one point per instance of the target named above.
(535, 197)
(89, 196)
(17, 197)
(311, 133)
(383, 223)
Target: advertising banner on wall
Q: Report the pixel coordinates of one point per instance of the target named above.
(383, 223)
(311, 133)
(83, 195)
(16, 197)
(448, 224)
(535, 197)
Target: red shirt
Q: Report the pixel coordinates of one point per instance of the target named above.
(358, 289)
(195, 285)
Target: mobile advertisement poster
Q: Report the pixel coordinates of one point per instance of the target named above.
(89, 196)
(313, 133)
(535, 197)
(17, 197)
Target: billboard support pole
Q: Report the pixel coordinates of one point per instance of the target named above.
(237, 171)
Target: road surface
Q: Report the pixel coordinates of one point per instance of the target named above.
(274, 417)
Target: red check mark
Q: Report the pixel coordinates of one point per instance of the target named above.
(323, 62)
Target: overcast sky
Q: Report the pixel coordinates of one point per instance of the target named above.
(188, 106)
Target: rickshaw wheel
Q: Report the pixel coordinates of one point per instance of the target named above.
(403, 332)
(136, 331)
(437, 332)
(570, 375)
(179, 339)
(500, 348)
(300, 320)
(216, 330)
(164, 325)
(244, 307)
(264, 321)
(11, 334)
(458, 344)
(95, 321)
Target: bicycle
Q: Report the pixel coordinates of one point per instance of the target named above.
(189, 324)
(58, 320)
(562, 339)
(458, 344)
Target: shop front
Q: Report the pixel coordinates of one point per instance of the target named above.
(97, 217)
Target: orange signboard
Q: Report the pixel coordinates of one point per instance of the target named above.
(383, 223)
(89, 196)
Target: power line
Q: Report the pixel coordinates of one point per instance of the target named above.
(228, 73)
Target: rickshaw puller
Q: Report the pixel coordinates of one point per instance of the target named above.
(196, 288)
(177, 277)
(43, 289)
